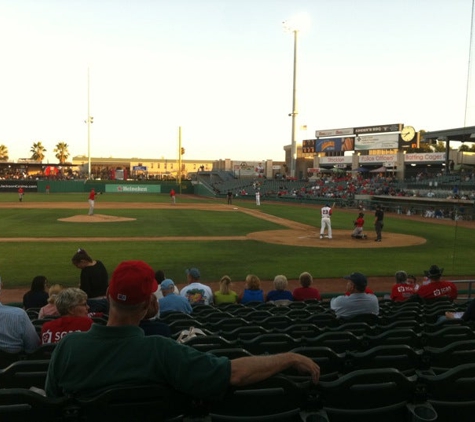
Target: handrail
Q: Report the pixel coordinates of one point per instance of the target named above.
(469, 282)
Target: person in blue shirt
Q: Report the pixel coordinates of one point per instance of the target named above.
(280, 292)
(17, 333)
(252, 292)
(171, 302)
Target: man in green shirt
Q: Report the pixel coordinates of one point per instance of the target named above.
(119, 354)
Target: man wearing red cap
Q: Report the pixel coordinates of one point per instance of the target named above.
(119, 354)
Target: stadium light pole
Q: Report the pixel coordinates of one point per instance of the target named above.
(89, 121)
(295, 25)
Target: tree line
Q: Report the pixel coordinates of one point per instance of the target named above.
(38, 152)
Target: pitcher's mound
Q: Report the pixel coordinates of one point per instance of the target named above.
(96, 218)
(341, 239)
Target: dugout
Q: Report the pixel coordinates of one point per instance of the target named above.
(454, 209)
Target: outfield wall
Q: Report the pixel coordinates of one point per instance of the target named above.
(80, 186)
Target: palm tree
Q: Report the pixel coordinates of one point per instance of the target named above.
(3, 153)
(62, 152)
(37, 151)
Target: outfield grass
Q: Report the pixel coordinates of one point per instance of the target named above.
(447, 246)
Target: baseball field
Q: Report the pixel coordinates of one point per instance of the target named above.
(40, 234)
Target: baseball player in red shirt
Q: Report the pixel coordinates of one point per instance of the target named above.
(91, 200)
(358, 231)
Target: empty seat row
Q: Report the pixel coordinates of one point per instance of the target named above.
(370, 395)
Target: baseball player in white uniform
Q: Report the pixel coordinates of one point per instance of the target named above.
(326, 221)
(258, 197)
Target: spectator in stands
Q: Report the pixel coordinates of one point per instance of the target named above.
(37, 296)
(94, 280)
(197, 293)
(17, 333)
(172, 302)
(150, 324)
(437, 288)
(160, 276)
(402, 289)
(306, 291)
(411, 279)
(50, 310)
(280, 291)
(357, 301)
(74, 310)
(468, 315)
(128, 358)
(225, 294)
(252, 291)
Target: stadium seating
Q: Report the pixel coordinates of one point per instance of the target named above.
(243, 333)
(401, 357)
(24, 374)
(332, 364)
(23, 405)
(456, 353)
(447, 335)
(339, 341)
(451, 393)
(394, 336)
(270, 344)
(371, 395)
(7, 358)
(275, 399)
(147, 403)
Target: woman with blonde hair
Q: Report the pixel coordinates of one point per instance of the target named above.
(252, 291)
(74, 310)
(225, 294)
(50, 309)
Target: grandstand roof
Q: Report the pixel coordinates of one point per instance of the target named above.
(462, 134)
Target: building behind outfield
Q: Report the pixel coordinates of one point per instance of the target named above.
(373, 149)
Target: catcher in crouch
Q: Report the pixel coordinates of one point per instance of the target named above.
(358, 230)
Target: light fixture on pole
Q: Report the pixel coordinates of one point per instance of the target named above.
(295, 25)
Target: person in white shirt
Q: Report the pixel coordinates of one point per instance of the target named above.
(326, 212)
(197, 293)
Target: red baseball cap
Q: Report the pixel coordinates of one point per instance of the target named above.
(132, 282)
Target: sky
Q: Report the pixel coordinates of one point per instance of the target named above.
(222, 70)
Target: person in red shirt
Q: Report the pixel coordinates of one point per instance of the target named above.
(173, 196)
(71, 304)
(21, 192)
(403, 289)
(437, 288)
(358, 230)
(91, 199)
(306, 292)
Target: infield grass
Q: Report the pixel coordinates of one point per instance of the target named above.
(450, 247)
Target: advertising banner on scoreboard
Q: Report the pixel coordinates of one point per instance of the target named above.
(335, 144)
(382, 141)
